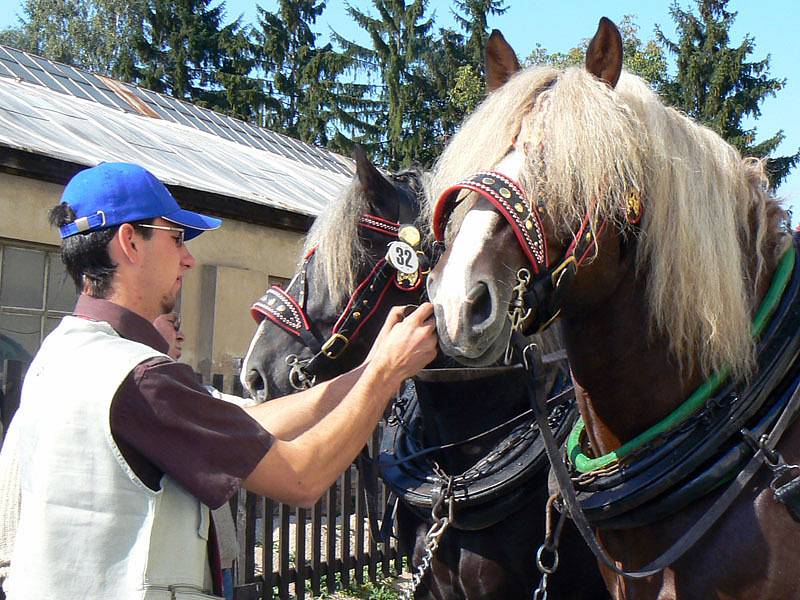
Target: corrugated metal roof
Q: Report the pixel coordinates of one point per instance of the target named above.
(59, 111)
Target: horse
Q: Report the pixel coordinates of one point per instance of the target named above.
(671, 269)
(490, 549)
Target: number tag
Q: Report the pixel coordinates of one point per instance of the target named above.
(402, 257)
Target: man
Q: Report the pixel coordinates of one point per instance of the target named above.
(169, 326)
(121, 451)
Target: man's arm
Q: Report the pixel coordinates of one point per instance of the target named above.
(303, 463)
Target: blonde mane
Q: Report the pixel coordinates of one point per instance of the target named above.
(340, 253)
(708, 218)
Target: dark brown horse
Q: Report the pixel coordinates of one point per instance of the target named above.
(663, 253)
(490, 549)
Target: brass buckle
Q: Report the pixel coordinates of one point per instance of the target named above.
(335, 352)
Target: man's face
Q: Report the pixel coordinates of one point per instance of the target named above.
(169, 326)
(166, 260)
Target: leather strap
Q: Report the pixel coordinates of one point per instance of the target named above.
(688, 539)
(509, 200)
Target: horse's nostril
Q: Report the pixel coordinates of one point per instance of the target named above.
(478, 303)
(254, 381)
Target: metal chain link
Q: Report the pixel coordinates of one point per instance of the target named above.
(433, 537)
(552, 537)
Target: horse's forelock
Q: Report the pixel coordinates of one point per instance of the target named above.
(339, 250)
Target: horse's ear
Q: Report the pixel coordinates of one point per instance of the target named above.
(501, 61)
(375, 185)
(604, 55)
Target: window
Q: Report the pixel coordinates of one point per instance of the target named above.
(35, 292)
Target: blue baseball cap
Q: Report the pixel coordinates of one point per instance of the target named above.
(113, 193)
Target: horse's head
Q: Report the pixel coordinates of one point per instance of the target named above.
(513, 222)
(593, 183)
(325, 321)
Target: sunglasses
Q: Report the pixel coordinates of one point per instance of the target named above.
(178, 240)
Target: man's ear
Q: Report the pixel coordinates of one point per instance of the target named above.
(126, 241)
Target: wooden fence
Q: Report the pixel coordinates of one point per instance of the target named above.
(289, 552)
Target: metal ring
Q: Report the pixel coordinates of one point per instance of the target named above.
(541, 566)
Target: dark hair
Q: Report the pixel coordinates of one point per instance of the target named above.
(85, 255)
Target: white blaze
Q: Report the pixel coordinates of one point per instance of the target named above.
(458, 275)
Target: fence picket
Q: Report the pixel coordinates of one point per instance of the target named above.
(316, 547)
(283, 553)
(346, 510)
(330, 545)
(300, 553)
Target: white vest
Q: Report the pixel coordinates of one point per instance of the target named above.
(89, 528)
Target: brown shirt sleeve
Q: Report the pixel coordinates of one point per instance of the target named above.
(165, 422)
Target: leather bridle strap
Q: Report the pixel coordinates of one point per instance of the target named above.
(509, 200)
(688, 539)
(288, 313)
(545, 291)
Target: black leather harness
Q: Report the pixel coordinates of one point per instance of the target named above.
(496, 485)
(287, 311)
(709, 448)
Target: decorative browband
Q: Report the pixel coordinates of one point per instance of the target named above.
(506, 196)
(280, 308)
(378, 224)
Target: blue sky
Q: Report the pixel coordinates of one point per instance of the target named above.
(774, 25)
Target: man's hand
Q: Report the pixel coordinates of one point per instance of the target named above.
(405, 344)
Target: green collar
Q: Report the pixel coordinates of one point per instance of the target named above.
(585, 464)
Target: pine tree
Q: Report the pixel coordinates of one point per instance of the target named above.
(302, 92)
(92, 34)
(718, 87)
(179, 48)
(397, 122)
(237, 91)
(473, 19)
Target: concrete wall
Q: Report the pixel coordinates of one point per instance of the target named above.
(233, 266)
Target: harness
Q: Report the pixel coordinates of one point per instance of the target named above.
(498, 484)
(728, 435)
(404, 266)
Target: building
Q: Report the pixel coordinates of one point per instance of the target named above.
(56, 120)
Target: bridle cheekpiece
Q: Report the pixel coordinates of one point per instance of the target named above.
(539, 292)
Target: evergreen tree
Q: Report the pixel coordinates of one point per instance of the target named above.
(397, 122)
(179, 48)
(717, 86)
(237, 91)
(457, 84)
(473, 19)
(302, 93)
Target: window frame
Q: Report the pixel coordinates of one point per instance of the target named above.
(45, 312)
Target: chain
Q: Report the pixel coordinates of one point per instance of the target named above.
(550, 545)
(433, 536)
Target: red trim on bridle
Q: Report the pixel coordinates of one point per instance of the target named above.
(285, 311)
(509, 200)
(282, 309)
